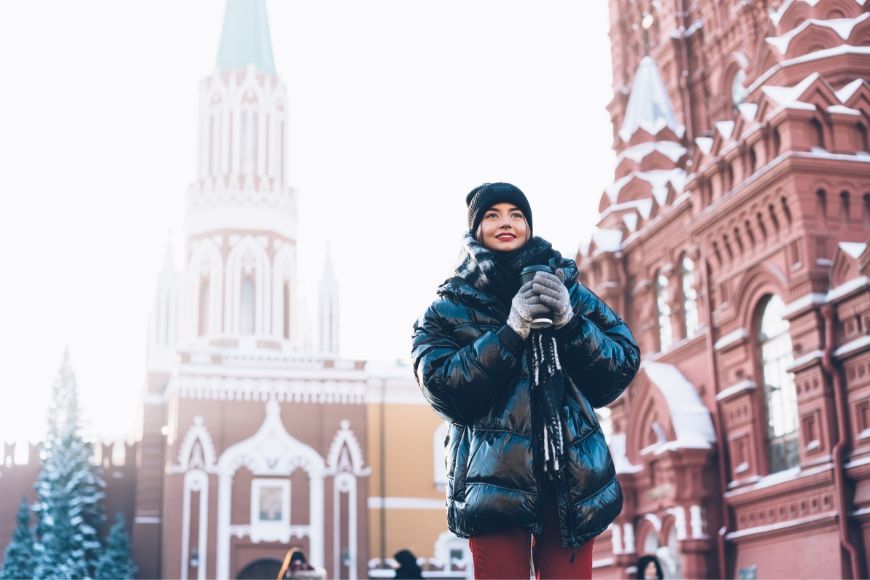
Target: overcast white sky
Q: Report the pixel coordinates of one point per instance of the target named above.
(397, 109)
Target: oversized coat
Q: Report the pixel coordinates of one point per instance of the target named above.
(473, 370)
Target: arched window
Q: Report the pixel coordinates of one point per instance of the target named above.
(819, 133)
(212, 146)
(281, 149)
(651, 542)
(246, 315)
(775, 351)
(202, 320)
(738, 89)
(248, 151)
(438, 442)
(665, 334)
(671, 560)
(286, 308)
(690, 304)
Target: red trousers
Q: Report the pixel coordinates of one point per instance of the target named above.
(505, 554)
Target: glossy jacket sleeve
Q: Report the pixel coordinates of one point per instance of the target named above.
(597, 349)
(462, 382)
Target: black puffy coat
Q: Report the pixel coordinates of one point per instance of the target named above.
(473, 371)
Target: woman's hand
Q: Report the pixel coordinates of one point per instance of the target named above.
(553, 294)
(525, 307)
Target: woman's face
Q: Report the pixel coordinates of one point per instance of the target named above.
(503, 228)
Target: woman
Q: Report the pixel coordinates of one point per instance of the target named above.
(527, 462)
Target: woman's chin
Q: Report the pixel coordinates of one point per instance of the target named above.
(504, 246)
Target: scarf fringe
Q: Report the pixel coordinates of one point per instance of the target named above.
(547, 389)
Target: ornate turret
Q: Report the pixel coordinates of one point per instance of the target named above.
(163, 321)
(328, 309)
(240, 280)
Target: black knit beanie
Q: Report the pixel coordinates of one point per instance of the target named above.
(483, 197)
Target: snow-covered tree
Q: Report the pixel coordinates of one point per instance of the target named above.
(116, 561)
(69, 491)
(18, 559)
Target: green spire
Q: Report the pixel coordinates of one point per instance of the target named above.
(245, 38)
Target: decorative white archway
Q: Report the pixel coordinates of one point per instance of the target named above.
(271, 451)
(197, 461)
(345, 464)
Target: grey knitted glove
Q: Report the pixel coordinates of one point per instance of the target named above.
(525, 307)
(553, 294)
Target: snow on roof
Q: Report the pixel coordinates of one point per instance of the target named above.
(788, 95)
(854, 249)
(810, 56)
(725, 128)
(845, 93)
(649, 106)
(847, 288)
(861, 156)
(635, 204)
(705, 144)
(690, 418)
(776, 15)
(630, 221)
(853, 345)
(614, 188)
(668, 148)
(644, 208)
(843, 109)
(748, 110)
(842, 26)
(685, 33)
(825, 53)
(616, 442)
(607, 240)
(658, 179)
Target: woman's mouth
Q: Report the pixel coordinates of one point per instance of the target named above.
(506, 237)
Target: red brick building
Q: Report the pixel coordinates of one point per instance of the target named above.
(734, 241)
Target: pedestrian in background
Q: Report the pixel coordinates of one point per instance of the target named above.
(408, 567)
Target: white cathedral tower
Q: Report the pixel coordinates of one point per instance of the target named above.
(239, 283)
(241, 404)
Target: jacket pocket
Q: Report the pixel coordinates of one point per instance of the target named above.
(451, 447)
(460, 459)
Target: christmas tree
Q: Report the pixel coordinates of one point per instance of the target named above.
(116, 561)
(18, 559)
(69, 491)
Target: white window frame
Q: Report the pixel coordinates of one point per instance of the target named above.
(688, 271)
(267, 530)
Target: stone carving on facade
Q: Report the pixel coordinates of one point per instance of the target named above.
(272, 451)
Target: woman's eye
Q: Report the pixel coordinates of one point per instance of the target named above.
(490, 215)
(517, 215)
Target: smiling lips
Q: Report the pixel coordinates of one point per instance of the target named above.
(506, 237)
